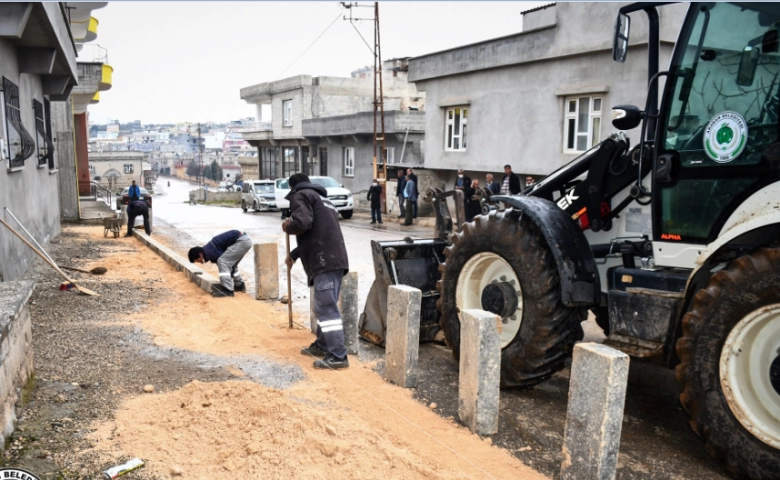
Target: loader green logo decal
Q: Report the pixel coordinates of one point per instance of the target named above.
(725, 137)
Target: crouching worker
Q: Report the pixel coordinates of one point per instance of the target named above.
(315, 223)
(136, 208)
(226, 250)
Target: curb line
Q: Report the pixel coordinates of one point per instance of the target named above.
(196, 274)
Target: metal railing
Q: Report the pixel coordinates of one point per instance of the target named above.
(99, 192)
(253, 127)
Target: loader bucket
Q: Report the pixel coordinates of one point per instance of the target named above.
(405, 262)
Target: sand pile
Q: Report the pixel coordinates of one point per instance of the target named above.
(206, 430)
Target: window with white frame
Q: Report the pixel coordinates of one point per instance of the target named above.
(456, 121)
(582, 123)
(349, 161)
(129, 168)
(287, 113)
(390, 155)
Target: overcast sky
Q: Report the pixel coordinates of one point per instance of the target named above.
(186, 61)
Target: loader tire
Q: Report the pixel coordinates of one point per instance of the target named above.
(742, 298)
(548, 330)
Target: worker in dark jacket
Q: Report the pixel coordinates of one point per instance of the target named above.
(375, 197)
(511, 183)
(463, 183)
(226, 250)
(399, 193)
(134, 192)
(137, 207)
(410, 173)
(315, 223)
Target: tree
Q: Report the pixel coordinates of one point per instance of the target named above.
(193, 169)
(214, 171)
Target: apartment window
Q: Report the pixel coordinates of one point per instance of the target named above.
(45, 146)
(390, 155)
(349, 161)
(21, 144)
(49, 137)
(287, 112)
(288, 161)
(129, 168)
(455, 129)
(582, 123)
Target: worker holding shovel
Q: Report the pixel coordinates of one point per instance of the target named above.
(315, 223)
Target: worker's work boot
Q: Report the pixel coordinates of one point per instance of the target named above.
(240, 287)
(220, 291)
(314, 351)
(331, 362)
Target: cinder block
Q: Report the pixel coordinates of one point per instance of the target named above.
(348, 306)
(403, 335)
(266, 271)
(597, 394)
(480, 371)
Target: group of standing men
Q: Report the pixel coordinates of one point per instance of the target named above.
(510, 185)
(407, 192)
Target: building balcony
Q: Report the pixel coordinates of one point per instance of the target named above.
(85, 31)
(95, 98)
(106, 78)
(254, 127)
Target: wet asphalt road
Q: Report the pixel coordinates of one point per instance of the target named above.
(656, 442)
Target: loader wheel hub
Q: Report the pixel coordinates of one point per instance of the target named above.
(750, 373)
(499, 298)
(488, 282)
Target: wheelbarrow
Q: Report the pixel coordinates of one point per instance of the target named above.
(113, 225)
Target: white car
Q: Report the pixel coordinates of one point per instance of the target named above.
(338, 195)
(258, 195)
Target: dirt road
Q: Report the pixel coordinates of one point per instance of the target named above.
(232, 393)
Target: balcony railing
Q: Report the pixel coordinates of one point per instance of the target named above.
(254, 127)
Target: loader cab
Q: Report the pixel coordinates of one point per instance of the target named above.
(717, 129)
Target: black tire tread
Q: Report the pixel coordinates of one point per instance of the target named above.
(549, 329)
(746, 283)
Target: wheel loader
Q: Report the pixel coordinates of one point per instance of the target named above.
(673, 244)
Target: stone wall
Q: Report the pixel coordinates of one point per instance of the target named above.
(197, 196)
(16, 357)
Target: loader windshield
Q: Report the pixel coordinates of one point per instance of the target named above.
(722, 113)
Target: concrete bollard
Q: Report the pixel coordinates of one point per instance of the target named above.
(348, 306)
(479, 379)
(403, 335)
(597, 395)
(266, 271)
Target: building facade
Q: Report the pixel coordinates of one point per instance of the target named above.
(282, 143)
(117, 170)
(537, 99)
(37, 70)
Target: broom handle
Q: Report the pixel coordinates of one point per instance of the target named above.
(51, 263)
(28, 234)
(289, 284)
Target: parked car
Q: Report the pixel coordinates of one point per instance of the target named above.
(258, 195)
(337, 194)
(124, 199)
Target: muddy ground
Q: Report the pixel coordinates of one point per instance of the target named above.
(94, 355)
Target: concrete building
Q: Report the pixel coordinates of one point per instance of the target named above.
(345, 145)
(116, 170)
(38, 70)
(535, 99)
(70, 122)
(282, 145)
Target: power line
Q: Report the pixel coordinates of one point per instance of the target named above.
(307, 48)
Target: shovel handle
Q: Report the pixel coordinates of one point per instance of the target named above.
(289, 283)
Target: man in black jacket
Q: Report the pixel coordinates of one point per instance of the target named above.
(315, 223)
(410, 172)
(375, 197)
(137, 207)
(399, 192)
(226, 250)
(511, 183)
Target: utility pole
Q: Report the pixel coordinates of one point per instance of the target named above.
(379, 169)
(200, 152)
